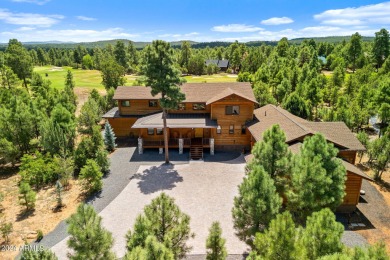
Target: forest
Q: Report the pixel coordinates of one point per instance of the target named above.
(48, 143)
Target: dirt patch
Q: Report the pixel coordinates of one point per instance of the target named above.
(44, 218)
(377, 206)
(82, 94)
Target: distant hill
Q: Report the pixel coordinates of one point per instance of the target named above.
(176, 44)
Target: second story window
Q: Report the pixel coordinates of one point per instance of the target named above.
(199, 106)
(152, 103)
(125, 103)
(232, 110)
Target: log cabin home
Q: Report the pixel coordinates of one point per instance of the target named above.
(220, 116)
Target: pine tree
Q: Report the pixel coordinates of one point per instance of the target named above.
(38, 255)
(317, 179)
(278, 241)
(88, 239)
(152, 250)
(27, 196)
(215, 244)
(164, 220)
(256, 205)
(273, 155)
(322, 235)
(91, 177)
(158, 57)
(109, 137)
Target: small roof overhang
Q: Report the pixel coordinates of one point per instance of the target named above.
(176, 121)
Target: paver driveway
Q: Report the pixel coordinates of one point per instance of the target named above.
(204, 190)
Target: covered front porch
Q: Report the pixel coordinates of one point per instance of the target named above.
(191, 131)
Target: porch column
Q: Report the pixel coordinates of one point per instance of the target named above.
(181, 144)
(211, 146)
(140, 146)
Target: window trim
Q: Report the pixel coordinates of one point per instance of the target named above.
(149, 130)
(231, 129)
(219, 129)
(232, 108)
(123, 101)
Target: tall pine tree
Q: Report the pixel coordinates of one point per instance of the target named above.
(163, 78)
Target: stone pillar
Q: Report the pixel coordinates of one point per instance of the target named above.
(211, 146)
(181, 144)
(140, 146)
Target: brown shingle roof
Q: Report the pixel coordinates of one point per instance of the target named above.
(195, 92)
(296, 127)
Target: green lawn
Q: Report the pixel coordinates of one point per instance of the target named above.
(93, 79)
(83, 78)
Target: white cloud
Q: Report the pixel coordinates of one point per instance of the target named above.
(236, 28)
(77, 35)
(25, 28)
(85, 18)
(178, 36)
(38, 2)
(367, 14)
(29, 18)
(277, 21)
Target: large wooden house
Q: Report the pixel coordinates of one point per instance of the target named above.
(218, 116)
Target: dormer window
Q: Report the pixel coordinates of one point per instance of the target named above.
(232, 110)
(125, 103)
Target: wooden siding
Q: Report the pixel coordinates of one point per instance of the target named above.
(122, 126)
(353, 186)
(350, 156)
(218, 112)
(137, 107)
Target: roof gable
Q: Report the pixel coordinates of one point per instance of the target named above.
(296, 127)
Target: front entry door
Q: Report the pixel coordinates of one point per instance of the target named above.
(198, 132)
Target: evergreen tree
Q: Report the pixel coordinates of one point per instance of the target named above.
(27, 196)
(109, 137)
(19, 60)
(381, 49)
(317, 179)
(38, 255)
(273, 155)
(354, 49)
(164, 220)
(322, 235)
(88, 239)
(296, 105)
(279, 240)
(215, 244)
(112, 74)
(163, 78)
(153, 250)
(256, 205)
(91, 177)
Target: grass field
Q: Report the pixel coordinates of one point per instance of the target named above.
(92, 78)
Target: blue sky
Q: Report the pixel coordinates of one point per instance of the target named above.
(198, 20)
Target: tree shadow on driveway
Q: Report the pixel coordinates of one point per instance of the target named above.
(157, 178)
